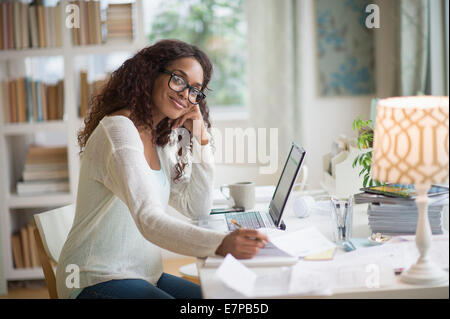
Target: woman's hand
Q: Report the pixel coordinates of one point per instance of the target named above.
(242, 243)
(187, 120)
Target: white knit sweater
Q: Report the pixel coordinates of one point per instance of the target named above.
(121, 209)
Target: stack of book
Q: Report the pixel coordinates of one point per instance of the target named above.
(24, 26)
(25, 100)
(398, 216)
(90, 30)
(46, 171)
(87, 90)
(24, 248)
(119, 22)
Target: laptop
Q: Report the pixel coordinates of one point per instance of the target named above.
(272, 218)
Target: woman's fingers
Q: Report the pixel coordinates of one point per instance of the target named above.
(253, 234)
(191, 113)
(242, 243)
(248, 243)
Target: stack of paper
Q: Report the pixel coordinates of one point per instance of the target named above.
(401, 219)
(398, 216)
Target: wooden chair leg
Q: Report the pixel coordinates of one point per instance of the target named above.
(49, 274)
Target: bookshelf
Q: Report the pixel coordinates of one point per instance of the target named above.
(15, 137)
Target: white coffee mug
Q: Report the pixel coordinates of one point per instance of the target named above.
(242, 193)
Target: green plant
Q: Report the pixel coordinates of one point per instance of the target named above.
(364, 141)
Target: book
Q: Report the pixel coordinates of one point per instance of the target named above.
(41, 26)
(42, 187)
(17, 25)
(39, 106)
(29, 99)
(5, 102)
(20, 98)
(363, 198)
(404, 191)
(52, 102)
(45, 175)
(17, 251)
(45, 171)
(1, 27)
(33, 26)
(83, 93)
(25, 100)
(44, 104)
(12, 101)
(38, 150)
(25, 247)
(33, 246)
(60, 99)
(119, 21)
(84, 23)
(24, 21)
(47, 166)
(58, 25)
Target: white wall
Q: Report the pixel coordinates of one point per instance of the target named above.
(323, 119)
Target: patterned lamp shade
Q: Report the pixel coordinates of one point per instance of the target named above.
(411, 140)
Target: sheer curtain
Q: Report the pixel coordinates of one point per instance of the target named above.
(412, 48)
(272, 65)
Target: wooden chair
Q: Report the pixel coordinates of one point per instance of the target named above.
(51, 231)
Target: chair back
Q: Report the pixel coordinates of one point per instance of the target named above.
(52, 228)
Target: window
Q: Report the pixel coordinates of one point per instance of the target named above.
(215, 26)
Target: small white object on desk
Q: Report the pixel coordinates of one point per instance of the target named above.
(378, 239)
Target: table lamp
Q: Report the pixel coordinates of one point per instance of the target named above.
(411, 147)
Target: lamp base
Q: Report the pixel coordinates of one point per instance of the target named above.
(424, 273)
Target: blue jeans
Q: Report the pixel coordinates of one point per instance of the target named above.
(167, 287)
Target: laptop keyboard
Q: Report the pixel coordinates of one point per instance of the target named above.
(251, 220)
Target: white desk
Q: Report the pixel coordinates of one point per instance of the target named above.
(212, 287)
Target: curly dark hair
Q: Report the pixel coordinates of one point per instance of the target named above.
(130, 86)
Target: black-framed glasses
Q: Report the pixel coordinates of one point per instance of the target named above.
(178, 84)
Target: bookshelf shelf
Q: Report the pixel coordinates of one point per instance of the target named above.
(25, 273)
(29, 128)
(12, 64)
(105, 48)
(56, 199)
(6, 55)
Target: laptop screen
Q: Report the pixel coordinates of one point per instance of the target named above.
(286, 182)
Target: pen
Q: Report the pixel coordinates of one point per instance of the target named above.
(240, 226)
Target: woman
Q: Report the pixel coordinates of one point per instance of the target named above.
(130, 173)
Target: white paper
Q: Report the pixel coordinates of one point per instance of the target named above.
(302, 242)
(236, 276)
(330, 276)
(400, 255)
(270, 255)
(309, 281)
(241, 279)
